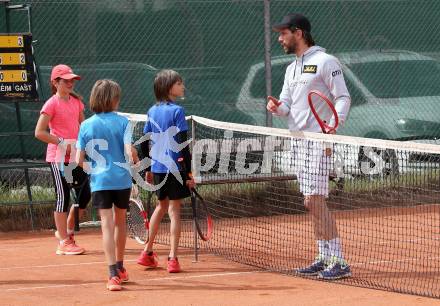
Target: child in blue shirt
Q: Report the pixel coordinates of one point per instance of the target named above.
(168, 133)
(106, 139)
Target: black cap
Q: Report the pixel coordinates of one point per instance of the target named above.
(293, 21)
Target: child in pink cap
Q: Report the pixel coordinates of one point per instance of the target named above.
(58, 126)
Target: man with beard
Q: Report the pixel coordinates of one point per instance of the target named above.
(312, 69)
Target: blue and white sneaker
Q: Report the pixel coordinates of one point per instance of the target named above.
(336, 269)
(317, 266)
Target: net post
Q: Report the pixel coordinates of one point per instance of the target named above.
(267, 57)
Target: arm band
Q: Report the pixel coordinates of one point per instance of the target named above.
(145, 150)
(181, 137)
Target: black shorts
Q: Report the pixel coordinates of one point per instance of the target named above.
(172, 189)
(104, 199)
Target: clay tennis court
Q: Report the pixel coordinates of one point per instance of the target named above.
(33, 275)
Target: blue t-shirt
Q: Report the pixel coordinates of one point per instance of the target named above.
(103, 137)
(165, 120)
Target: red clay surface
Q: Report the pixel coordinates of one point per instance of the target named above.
(33, 275)
(392, 248)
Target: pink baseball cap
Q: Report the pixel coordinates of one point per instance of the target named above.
(63, 72)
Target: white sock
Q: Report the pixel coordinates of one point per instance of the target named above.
(335, 248)
(65, 240)
(70, 232)
(323, 249)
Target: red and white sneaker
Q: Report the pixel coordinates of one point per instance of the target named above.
(69, 247)
(114, 284)
(173, 265)
(146, 260)
(123, 275)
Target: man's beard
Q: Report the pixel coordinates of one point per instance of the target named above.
(290, 49)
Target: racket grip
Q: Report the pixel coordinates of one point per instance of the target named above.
(274, 100)
(181, 162)
(76, 216)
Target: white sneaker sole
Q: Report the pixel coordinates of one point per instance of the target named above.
(114, 288)
(335, 277)
(58, 252)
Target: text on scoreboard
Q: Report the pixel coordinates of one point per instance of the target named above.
(17, 68)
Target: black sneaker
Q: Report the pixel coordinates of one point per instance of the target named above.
(337, 269)
(317, 266)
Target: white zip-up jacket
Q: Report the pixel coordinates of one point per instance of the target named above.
(314, 70)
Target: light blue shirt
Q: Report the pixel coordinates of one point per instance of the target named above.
(165, 120)
(103, 137)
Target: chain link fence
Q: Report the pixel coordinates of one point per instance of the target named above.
(219, 49)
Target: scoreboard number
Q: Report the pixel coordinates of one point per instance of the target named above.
(13, 76)
(11, 41)
(12, 59)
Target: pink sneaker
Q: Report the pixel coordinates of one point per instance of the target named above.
(69, 247)
(73, 249)
(114, 284)
(123, 275)
(173, 265)
(148, 260)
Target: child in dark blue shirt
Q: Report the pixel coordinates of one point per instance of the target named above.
(168, 134)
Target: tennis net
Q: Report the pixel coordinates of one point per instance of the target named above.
(384, 196)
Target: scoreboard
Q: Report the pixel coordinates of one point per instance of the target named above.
(17, 68)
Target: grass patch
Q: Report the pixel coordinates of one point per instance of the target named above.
(20, 194)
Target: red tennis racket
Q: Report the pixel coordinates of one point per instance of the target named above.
(321, 109)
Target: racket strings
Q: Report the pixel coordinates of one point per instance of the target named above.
(136, 222)
(322, 109)
(203, 219)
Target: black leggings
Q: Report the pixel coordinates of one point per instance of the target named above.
(62, 188)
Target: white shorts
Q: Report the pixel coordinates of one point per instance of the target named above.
(311, 165)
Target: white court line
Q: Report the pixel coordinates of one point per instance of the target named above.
(146, 281)
(177, 277)
(387, 242)
(60, 265)
(77, 264)
(361, 243)
(377, 262)
(14, 248)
